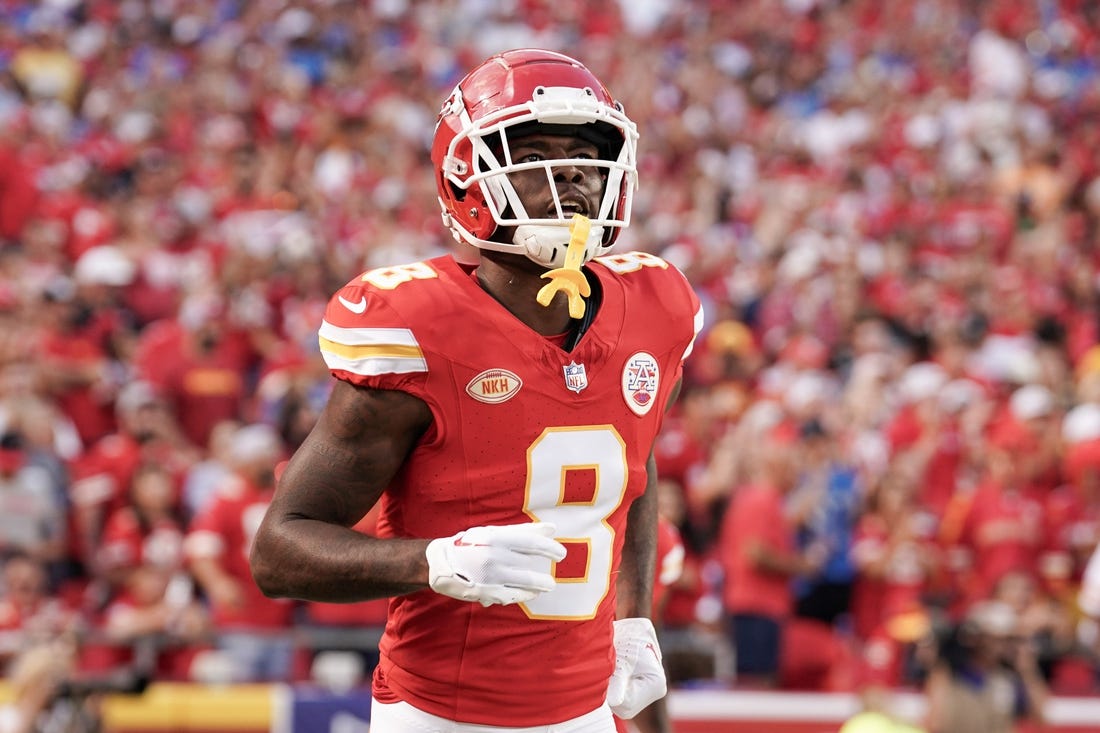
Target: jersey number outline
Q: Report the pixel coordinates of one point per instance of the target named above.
(388, 278)
(550, 457)
(625, 262)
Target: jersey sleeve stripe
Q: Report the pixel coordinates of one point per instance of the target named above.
(369, 350)
(376, 365)
(698, 328)
(367, 336)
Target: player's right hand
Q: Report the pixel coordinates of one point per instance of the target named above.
(489, 565)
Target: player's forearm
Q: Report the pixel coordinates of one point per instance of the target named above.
(639, 563)
(305, 547)
(316, 561)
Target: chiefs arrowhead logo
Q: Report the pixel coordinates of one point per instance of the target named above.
(641, 377)
(493, 386)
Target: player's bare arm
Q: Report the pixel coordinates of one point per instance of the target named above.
(639, 563)
(638, 683)
(305, 547)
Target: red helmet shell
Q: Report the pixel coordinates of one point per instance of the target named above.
(510, 81)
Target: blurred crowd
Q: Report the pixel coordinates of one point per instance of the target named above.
(890, 211)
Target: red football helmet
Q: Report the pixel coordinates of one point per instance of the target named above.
(471, 153)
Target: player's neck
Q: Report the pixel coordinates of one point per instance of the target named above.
(515, 285)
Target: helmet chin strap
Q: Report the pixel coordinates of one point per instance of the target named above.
(547, 244)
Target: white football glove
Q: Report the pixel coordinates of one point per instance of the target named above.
(639, 676)
(505, 564)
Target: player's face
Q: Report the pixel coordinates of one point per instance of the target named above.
(579, 187)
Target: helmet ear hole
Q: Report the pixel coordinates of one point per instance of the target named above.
(455, 193)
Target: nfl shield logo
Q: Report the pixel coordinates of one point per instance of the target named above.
(575, 377)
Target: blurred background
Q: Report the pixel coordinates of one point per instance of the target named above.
(887, 450)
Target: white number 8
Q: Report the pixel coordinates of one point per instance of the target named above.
(597, 448)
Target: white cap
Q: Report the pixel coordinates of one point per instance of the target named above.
(104, 265)
(215, 667)
(1081, 423)
(255, 442)
(294, 23)
(1031, 401)
(995, 618)
(806, 389)
(1009, 359)
(337, 671)
(799, 263)
(762, 416)
(921, 381)
(134, 396)
(959, 393)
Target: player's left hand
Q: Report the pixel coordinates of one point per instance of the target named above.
(639, 676)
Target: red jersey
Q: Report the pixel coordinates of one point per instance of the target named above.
(82, 349)
(875, 600)
(523, 430)
(203, 387)
(102, 475)
(1072, 531)
(128, 542)
(1005, 530)
(670, 561)
(755, 514)
(224, 531)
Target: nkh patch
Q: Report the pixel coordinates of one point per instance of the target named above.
(641, 376)
(494, 385)
(576, 378)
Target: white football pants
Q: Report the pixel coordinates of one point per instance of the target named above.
(400, 717)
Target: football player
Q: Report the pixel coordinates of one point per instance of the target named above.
(503, 412)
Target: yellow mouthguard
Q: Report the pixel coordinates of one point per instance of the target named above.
(569, 277)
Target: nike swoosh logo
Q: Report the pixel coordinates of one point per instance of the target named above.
(353, 307)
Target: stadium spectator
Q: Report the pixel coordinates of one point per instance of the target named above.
(986, 677)
(201, 362)
(1000, 525)
(32, 519)
(37, 675)
(895, 552)
(823, 505)
(202, 479)
(76, 360)
(760, 558)
(104, 473)
(44, 68)
(252, 628)
(146, 531)
(154, 617)
(29, 611)
(564, 160)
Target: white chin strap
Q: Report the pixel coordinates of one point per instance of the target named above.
(546, 244)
